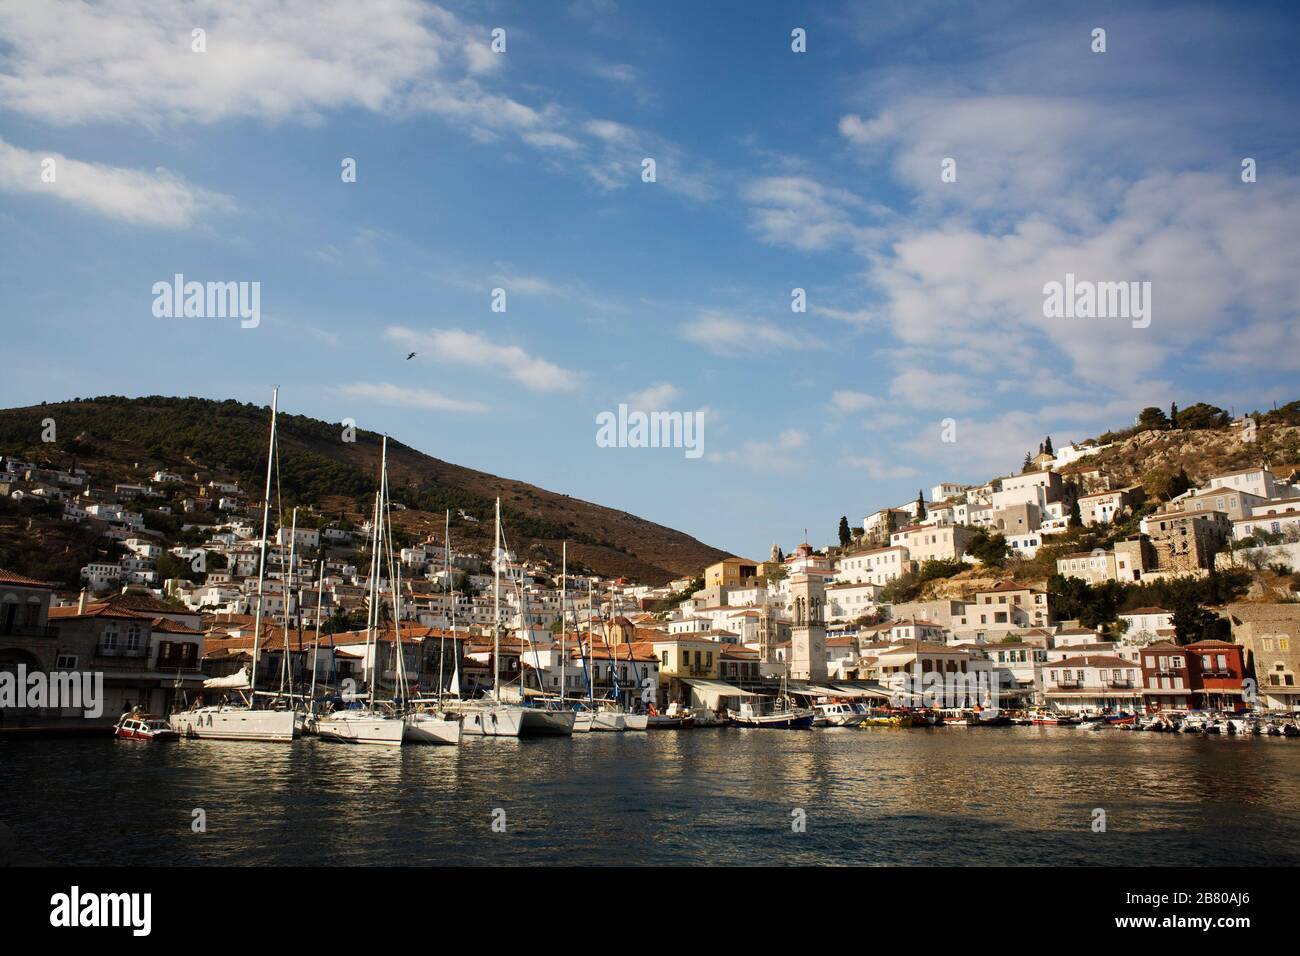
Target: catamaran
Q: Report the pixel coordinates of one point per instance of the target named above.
(242, 720)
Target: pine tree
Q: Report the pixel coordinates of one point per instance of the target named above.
(1173, 414)
(920, 506)
(1029, 460)
(1047, 446)
(845, 535)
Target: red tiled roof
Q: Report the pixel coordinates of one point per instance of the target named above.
(8, 577)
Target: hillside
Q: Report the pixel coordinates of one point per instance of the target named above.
(120, 439)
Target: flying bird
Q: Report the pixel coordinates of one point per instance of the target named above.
(411, 356)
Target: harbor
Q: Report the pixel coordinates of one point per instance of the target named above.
(722, 796)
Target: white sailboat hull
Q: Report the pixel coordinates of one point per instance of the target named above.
(608, 721)
(582, 721)
(236, 723)
(429, 729)
(374, 730)
(492, 721)
(636, 721)
(548, 722)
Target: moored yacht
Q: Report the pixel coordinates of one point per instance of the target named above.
(362, 726)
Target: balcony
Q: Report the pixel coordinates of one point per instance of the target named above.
(1118, 684)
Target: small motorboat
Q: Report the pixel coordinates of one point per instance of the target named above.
(144, 727)
(836, 715)
(674, 718)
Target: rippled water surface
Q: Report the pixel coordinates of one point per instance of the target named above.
(724, 796)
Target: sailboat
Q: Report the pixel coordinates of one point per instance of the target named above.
(367, 723)
(242, 720)
(426, 724)
(493, 717)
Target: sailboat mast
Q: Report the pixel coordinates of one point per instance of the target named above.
(564, 574)
(315, 650)
(591, 646)
(370, 603)
(286, 585)
(496, 609)
(261, 561)
(395, 579)
(446, 587)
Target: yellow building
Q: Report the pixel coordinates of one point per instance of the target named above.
(684, 657)
(731, 571)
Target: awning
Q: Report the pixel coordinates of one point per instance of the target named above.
(816, 690)
(879, 693)
(719, 688)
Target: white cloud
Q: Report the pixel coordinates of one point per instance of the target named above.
(725, 334)
(800, 212)
(385, 393)
(849, 401)
(149, 198)
(470, 348)
(879, 470)
(924, 388)
(771, 455)
(658, 397)
(131, 62)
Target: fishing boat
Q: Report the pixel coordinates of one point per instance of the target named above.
(240, 719)
(134, 726)
(1048, 718)
(782, 715)
(675, 717)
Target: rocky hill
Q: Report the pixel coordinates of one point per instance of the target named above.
(125, 440)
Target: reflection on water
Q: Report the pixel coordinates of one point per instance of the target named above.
(879, 796)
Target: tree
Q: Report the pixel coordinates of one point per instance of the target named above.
(1202, 416)
(1076, 519)
(1173, 414)
(1195, 623)
(845, 534)
(1029, 462)
(920, 506)
(1152, 419)
(1165, 484)
(1047, 446)
(990, 549)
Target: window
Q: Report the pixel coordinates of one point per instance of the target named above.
(109, 639)
(66, 662)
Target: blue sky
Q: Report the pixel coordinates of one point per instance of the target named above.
(775, 170)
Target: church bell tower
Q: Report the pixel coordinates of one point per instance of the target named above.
(808, 633)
